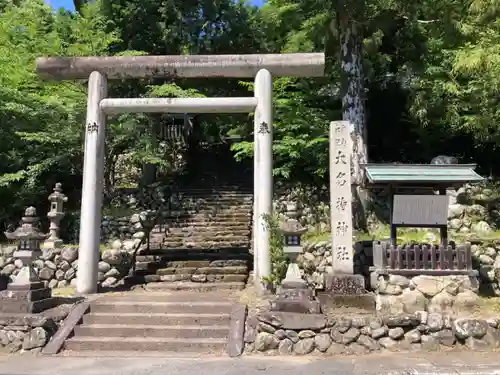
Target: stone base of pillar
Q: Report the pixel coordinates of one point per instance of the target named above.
(26, 299)
(346, 291)
(297, 298)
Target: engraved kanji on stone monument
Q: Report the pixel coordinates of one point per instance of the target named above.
(341, 197)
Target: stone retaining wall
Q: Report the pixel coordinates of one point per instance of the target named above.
(316, 260)
(437, 294)
(58, 267)
(31, 332)
(300, 334)
(473, 208)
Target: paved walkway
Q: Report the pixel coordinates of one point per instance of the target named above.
(463, 363)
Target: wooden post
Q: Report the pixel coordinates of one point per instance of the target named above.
(443, 230)
(393, 232)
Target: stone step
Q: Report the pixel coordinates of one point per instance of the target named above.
(209, 217)
(203, 223)
(209, 209)
(208, 231)
(201, 278)
(209, 203)
(192, 286)
(148, 307)
(152, 331)
(159, 319)
(217, 191)
(205, 245)
(193, 259)
(203, 226)
(176, 237)
(220, 205)
(196, 269)
(168, 296)
(194, 223)
(86, 343)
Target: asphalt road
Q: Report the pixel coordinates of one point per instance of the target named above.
(464, 363)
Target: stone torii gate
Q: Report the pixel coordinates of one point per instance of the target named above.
(99, 69)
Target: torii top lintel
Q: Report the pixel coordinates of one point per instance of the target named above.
(186, 66)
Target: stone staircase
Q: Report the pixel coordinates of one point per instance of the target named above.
(205, 240)
(182, 322)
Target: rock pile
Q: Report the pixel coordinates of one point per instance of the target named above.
(316, 261)
(300, 334)
(58, 267)
(473, 209)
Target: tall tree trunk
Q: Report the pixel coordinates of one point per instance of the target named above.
(353, 101)
(350, 34)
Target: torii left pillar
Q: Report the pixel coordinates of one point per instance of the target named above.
(93, 183)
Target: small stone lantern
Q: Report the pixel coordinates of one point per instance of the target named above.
(55, 215)
(294, 295)
(28, 249)
(292, 232)
(27, 294)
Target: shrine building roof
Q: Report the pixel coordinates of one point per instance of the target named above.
(421, 174)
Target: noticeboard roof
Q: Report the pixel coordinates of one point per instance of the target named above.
(417, 174)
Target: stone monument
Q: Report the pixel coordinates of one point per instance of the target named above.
(293, 294)
(26, 294)
(55, 215)
(342, 286)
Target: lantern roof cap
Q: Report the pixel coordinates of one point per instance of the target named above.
(57, 194)
(292, 227)
(28, 228)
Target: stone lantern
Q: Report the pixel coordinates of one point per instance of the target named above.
(294, 295)
(27, 294)
(55, 215)
(292, 232)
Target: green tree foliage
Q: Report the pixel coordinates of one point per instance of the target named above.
(430, 78)
(40, 122)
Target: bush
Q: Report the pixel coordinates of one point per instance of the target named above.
(279, 261)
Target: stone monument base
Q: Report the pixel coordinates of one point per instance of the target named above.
(346, 291)
(26, 299)
(295, 298)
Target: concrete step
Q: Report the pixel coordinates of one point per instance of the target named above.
(148, 307)
(152, 331)
(84, 343)
(159, 319)
(192, 286)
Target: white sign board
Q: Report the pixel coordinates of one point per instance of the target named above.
(420, 209)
